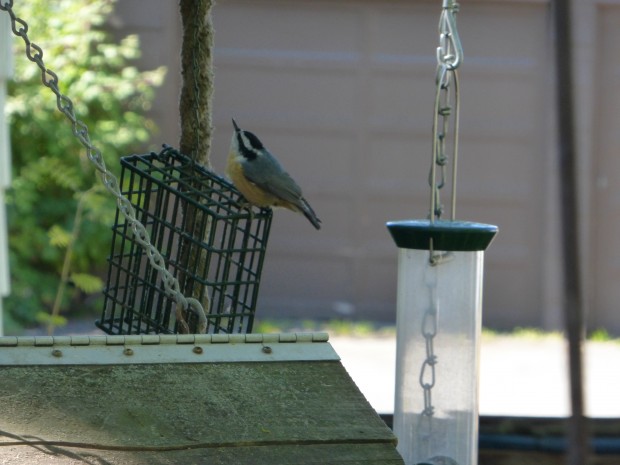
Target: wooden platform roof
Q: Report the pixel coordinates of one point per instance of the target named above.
(245, 399)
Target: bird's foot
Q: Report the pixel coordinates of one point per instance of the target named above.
(245, 205)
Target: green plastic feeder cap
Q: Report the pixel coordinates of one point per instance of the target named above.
(456, 236)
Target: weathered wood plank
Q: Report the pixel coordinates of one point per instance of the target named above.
(293, 406)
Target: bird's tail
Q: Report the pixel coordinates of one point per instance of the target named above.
(308, 212)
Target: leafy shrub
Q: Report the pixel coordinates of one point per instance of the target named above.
(51, 174)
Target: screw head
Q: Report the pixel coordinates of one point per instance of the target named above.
(197, 350)
(128, 351)
(57, 353)
(267, 350)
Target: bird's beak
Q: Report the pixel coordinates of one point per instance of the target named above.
(235, 125)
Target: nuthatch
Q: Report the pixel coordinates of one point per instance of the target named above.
(260, 177)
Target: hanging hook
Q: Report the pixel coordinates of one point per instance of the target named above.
(437, 258)
(450, 50)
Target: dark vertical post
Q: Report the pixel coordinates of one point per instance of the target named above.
(573, 300)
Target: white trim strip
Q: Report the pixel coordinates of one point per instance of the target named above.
(182, 348)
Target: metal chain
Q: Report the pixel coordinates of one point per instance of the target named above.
(80, 131)
(449, 58)
(427, 372)
(428, 378)
(429, 332)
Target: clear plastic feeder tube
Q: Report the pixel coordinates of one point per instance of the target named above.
(439, 318)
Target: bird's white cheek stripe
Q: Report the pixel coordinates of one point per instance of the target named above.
(246, 142)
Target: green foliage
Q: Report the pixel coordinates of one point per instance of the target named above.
(600, 335)
(51, 320)
(521, 333)
(335, 327)
(87, 283)
(50, 170)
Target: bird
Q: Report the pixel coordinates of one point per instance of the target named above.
(260, 177)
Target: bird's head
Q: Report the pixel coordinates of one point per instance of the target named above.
(247, 143)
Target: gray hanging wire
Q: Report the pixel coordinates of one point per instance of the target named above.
(449, 58)
(49, 79)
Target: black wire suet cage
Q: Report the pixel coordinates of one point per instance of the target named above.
(212, 243)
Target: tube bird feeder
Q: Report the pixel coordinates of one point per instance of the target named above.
(439, 313)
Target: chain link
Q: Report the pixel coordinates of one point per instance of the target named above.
(109, 180)
(425, 428)
(427, 372)
(450, 51)
(429, 332)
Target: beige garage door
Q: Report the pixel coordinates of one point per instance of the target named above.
(342, 92)
(604, 215)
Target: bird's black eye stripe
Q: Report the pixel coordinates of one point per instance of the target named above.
(247, 152)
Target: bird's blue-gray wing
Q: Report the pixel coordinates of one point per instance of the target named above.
(268, 174)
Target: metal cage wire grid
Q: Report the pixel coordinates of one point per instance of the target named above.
(211, 242)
